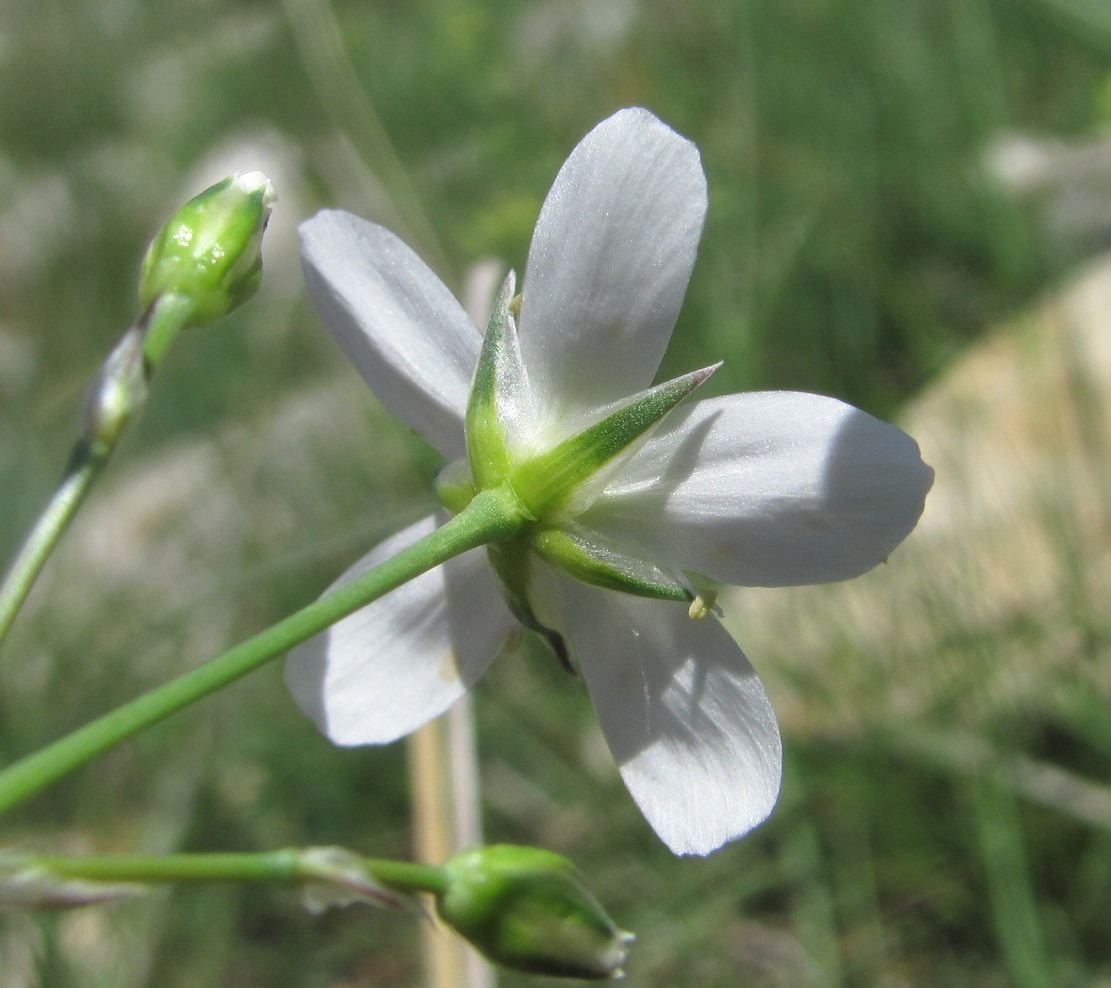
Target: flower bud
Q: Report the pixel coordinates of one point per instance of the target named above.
(209, 250)
(528, 909)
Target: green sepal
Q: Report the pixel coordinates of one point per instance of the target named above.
(584, 555)
(548, 481)
(512, 565)
(499, 403)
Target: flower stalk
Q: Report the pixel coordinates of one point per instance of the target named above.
(52, 881)
(113, 401)
(492, 516)
(85, 466)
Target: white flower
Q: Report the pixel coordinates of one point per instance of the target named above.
(764, 489)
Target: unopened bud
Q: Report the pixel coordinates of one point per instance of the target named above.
(528, 909)
(209, 251)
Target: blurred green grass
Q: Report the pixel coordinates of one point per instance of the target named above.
(855, 245)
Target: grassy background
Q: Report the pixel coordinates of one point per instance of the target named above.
(856, 245)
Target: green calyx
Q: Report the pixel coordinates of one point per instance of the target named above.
(555, 485)
(208, 252)
(500, 422)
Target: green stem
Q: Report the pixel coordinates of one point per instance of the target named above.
(166, 317)
(118, 392)
(492, 516)
(85, 465)
(289, 865)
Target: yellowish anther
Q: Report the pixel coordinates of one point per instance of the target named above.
(704, 602)
(515, 306)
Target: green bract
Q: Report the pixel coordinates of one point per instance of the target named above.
(209, 250)
(26, 884)
(116, 393)
(528, 909)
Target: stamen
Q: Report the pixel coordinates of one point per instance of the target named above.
(704, 602)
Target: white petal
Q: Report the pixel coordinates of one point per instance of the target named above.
(772, 488)
(397, 663)
(686, 717)
(609, 263)
(396, 322)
